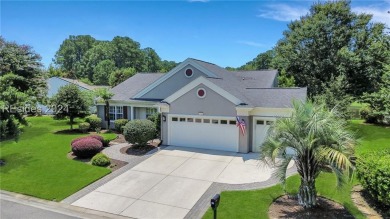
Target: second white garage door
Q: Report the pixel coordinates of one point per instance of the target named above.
(203, 132)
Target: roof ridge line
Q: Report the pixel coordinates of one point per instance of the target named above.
(275, 88)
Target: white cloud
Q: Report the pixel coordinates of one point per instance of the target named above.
(251, 43)
(282, 12)
(378, 14)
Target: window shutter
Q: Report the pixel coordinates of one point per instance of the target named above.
(125, 112)
(105, 113)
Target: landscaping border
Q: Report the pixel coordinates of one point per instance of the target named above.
(201, 206)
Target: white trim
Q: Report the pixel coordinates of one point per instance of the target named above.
(271, 112)
(192, 72)
(204, 90)
(129, 103)
(173, 72)
(115, 113)
(243, 111)
(207, 83)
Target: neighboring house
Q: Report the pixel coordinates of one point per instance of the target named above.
(55, 83)
(199, 103)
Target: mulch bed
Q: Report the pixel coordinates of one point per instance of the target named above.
(286, 207)
(137, 150)
(115, 164)
(120, 139)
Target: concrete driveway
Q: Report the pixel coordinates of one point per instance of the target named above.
(168, 184)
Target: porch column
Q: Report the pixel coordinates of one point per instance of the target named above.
(132, 113)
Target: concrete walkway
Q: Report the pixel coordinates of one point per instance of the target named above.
(173, 182)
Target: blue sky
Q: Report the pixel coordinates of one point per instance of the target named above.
(227, 33)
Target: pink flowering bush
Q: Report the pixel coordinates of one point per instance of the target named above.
(86, 147)
(97, 137)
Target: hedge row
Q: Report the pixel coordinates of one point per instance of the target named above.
(373, 172)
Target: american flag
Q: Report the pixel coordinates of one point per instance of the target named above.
(241, 124)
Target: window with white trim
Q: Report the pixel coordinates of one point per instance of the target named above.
(150, 111)
(116, 112)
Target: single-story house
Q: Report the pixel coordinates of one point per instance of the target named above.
(200, 104)
(55, 83)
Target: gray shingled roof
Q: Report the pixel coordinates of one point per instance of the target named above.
(275, 97)
(127, 89)
(82, 84)
(254, 88)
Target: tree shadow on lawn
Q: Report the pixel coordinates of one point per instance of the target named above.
(69, 132)
(14, 161)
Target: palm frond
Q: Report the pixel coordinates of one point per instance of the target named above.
(336, 158)
(281, 169)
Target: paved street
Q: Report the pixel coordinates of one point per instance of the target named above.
(14, 210)
(18, 206)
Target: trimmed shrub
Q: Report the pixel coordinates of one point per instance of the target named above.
(100, 160)
(97, 137)
(76, 139)
(94, 121)
(86, 147)
(373, 171)
(119, 123)
(367, 114)
(84, 127)
(139, 131)
(156, 119)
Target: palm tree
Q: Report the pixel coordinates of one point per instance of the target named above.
(105, 94)
(318, 138)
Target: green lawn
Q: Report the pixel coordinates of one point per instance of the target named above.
(37, 165)
(255, 203)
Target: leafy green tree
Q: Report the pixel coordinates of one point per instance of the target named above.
(285, 80)
(127, 53)
(262, 61)
(103, 71)
(335, 96)
(71, 102)
(379, 101)
(72, 51)
(152, 60)
(331, 41)
(101, 50)
(319, 140)
(22, 83)
(52, 71)
(120, 75)
(105, 95)
(166, 66)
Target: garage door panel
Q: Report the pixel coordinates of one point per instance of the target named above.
(204, 135)
(261, 126)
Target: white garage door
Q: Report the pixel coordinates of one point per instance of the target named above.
(204, 132)
(261, 126)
